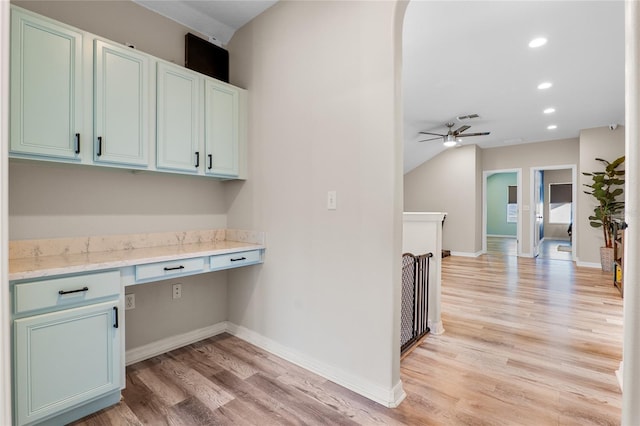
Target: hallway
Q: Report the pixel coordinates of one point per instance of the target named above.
(526, 342)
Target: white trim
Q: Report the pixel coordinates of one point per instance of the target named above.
(619, 375)
(174, 342)
(466, 254)
(389, 397)
(5, 333)
(513, 237)
(588, 264)
(485, 176)
(435, 328)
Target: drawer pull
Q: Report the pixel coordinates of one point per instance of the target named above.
(174, 268)
(73, 291)
(238, 259)
(115, 313)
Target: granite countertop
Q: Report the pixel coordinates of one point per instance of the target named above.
(30, 259)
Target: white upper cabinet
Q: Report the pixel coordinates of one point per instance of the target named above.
(178, 124)
(222, 117)
(46, 88)
(121, 105)
(78, 98)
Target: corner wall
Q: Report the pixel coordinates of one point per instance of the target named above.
(451, 182)
(323, 81)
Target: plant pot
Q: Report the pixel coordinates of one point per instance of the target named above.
(606, 258)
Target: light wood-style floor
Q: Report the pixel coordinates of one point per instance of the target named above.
(527, 342)
(548, 248)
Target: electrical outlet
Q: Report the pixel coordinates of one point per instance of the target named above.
(129, 301)
(177, 291)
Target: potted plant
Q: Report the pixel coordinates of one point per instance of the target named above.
(607, 188)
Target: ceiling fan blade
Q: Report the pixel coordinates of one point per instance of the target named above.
(474, 134)
(434, 134)
(461, 129)
(431, 139)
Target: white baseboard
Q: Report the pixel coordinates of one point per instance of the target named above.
(174, 342)
(619, 375)
(466, 254)
(435, 328)
(389, 397)
(588, 264)
(502, 236)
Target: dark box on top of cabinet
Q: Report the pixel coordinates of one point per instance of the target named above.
(206, 58)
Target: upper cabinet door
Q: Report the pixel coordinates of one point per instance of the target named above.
(221, 129)
(121, 98)
(178, 119)
(46, 88)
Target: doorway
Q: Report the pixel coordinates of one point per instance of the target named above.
(553, 191)
(502, 219)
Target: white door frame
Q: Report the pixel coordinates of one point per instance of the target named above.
(574, 195)
(485, 176)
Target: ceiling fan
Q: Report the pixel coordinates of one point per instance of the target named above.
(450, 138)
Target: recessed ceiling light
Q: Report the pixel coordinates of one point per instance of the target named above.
(552, 127)
(544, 85)
(549, 110)
(537, 42)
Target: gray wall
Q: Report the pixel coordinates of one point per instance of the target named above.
(48, 200)
(451, 183)
(328, 290)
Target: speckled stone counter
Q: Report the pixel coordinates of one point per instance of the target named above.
(31, 259)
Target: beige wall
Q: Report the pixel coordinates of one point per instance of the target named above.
(450, 182)
(48, 200)
(323, 80)
(594, 143)
(526, 157)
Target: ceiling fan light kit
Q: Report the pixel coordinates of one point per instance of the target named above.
(452, 137)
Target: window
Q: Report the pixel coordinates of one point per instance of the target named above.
(560, 203)
(512, 204)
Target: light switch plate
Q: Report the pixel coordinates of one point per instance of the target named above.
(331, 200)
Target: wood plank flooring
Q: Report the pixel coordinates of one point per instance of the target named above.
(527, 342)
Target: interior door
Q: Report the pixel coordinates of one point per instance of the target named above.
(538, 198)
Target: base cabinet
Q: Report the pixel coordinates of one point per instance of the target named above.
(66, 348)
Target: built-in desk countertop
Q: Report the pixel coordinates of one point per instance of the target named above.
(34, 259)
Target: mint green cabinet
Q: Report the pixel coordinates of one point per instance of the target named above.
(222, 126)
(121, 105)
(46, 88)
(178, 119)
(65, 358)
(66, 347)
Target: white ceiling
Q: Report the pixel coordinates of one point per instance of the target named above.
(464, 57)
(217, 19)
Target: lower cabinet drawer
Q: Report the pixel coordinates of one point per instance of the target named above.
(60, 292)
(234, 260)
(169, 269)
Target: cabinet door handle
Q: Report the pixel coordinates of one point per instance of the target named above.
(174, 268)
(99, 153)
(197, 159)
(210, 161)
(77, 143)
(115, 314)
(74, 291)
(239, 258)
